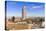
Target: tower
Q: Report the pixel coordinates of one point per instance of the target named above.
(23, 12)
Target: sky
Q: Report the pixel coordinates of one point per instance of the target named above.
(14, 8)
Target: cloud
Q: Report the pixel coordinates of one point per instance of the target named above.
(36, 7)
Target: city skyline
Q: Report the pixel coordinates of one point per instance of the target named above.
(14, 8)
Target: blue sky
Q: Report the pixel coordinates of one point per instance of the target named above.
(14, 8)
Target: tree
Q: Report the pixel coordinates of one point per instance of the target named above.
(13, 18)
(9, 19)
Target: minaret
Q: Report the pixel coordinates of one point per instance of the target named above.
(23, 12)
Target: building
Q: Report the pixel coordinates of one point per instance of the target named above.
(23, 12)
